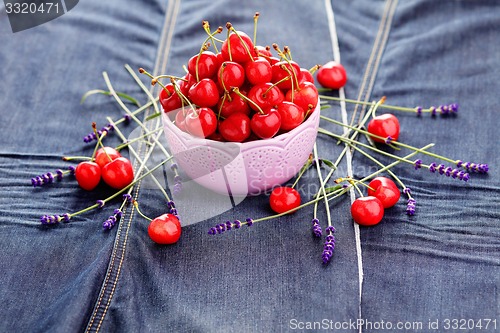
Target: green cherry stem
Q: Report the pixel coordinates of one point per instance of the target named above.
(385, 106)
(349, 141)
(133, 152)
(232, 29)
(136, 206)
(255, 20)
(124, 107)
(111, 197)
(322, 188)
(104, 92)
(237, 91)
(301, 172)
(397, 143)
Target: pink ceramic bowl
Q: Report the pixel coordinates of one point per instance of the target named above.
(241, 169)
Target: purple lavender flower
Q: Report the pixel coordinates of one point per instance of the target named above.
(418, 110)
(100, 203)
(54, 219)
(407, 190)
(449, 171)
(127, 197)
(316, 228)
(410, 206)
(92, 136)
(433, 111)
(389, 140)
(418, 164)
(49, 177)
(473, 167)
(228, 225)
(329, 246)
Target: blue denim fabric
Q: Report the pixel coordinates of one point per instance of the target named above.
(443, 263)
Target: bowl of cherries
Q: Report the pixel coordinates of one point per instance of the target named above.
(242, 120)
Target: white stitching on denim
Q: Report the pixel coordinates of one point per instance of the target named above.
(376, 54)
(336, 57)
(170, 16)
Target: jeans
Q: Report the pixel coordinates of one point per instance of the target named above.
(435, 271)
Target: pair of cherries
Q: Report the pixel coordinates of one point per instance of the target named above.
(108, 165)
(242, 93)
(382, 193)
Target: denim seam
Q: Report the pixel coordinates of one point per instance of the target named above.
(376, 55)
(370, 73)
(336, 56)
(120, 244)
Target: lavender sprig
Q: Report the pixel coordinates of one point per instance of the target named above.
(316, 228)
(49, 177)
(329, 246)
(228, 225)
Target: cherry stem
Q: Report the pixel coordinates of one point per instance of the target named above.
(302, 170)
(242, 42)
(238, 92)
(99, 142)
(275, 84)
(449, 160)
(127, 143)
(124, 107)
(206, 27)
(133, 152)
(78, 158)
(392, 174)
(136, 205)
(183, 97)
(111, 197)
(385, 106)
(349, 141)
(228, 26)
(255, 20)
(322, 187)
(222, 104)
(313, 69)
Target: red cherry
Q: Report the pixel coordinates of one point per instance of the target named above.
(203, 123)
(367, 211)
(169, 99)
(105, 155)
(235, 128)
(384, 125)
(306, 76)
(239, 53)
(165, 229)
(291, 114)
(283, 199)
(207, 65)
(231, 74)
(332, 75)
(385, 190)
(186, 84)
(263, 51)
(204, 93)
(88, 175)
(292, 70)
(216, 136)
(273, 60)
(305, 96)
(180, 120)
(118, 173)
(258, 71)
(265, 95)
(233, 103)
(266, 125)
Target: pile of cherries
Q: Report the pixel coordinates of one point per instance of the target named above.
(108, 165)
(241, 93)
